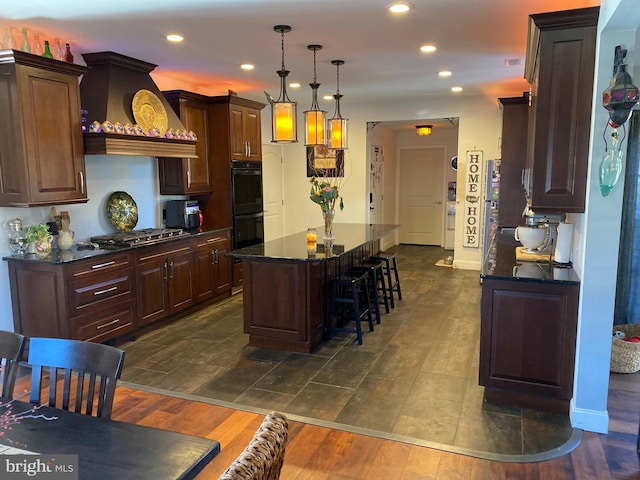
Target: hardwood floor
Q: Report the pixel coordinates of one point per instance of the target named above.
(315, 452)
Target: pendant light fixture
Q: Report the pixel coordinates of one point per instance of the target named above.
(337, 125)
(284, 128)
(314, 118)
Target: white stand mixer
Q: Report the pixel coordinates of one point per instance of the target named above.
(548, 221)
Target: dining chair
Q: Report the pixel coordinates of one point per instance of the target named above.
(11, 348)
(262, 459)
(93, 367)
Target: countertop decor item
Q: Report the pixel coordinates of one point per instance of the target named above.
(38, 239)
(325, 194)
(122, 211)
(149, 112)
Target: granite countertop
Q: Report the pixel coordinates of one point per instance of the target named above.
(500, 264)
(347, 237)
(74, 254)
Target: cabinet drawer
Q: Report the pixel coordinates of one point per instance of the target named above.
(98, 289)
(156, 252)
(99, 264)
(221, 240)
(106, 324)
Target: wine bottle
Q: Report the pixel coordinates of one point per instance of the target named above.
(25, 47)
(47, 51)
(37, 44)
(68, 56)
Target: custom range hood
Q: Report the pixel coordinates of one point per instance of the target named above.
(111, 89)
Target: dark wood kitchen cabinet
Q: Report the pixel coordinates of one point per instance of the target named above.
(515, 119)
(188, 175)
(527, 343)
(91, 299)
(41, 151)
(560, 68)
(213, 269)
(234, 134)
(164, 280)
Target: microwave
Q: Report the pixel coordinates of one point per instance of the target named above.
(182, 214)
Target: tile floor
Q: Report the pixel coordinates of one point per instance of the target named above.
(415, 378)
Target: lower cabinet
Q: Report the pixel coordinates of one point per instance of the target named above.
(164, 277)
(106, 296)
(527, 343)
(213, 269)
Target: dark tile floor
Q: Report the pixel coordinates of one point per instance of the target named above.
(415, 378)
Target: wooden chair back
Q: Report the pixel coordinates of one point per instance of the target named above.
(262, 459)
(94, 368)
(11, 348)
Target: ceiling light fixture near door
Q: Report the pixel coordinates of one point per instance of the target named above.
(314, 118)
(284, 128)
(424, 130)
(337, 125)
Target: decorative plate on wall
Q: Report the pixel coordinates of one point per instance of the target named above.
(149, 111)
(122, 211)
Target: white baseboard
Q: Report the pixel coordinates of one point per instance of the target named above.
(590, 420)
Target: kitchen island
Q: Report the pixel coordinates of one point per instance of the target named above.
(285, 283)
(529, 316)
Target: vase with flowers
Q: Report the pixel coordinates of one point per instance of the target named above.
(38, 239)
(325, 194)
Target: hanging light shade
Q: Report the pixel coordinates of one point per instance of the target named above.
(284, 112)
(337, 126)
(315, 119)
(424, 130)
(621, 95)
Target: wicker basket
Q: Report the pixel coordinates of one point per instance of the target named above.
(625, 356)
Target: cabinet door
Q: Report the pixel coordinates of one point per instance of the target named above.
(252, 134)
(515, 112)
(223, 266)
(528, 335)
(245, 140)
(180, 278)
(49, 165)
(151, 284)
(561, 102)
(204, 272)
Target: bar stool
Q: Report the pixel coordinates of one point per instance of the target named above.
(350, 301)
(393, 285)
(377, 286)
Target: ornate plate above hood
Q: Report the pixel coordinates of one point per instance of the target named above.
(107, 94)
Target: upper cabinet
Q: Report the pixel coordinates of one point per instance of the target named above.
(41, 151)
(236, 127)
(188, 175)
(560, 68)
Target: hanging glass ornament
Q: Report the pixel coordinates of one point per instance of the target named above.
(611, 165)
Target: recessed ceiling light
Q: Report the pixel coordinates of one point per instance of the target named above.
(456, 89)
(400, 7)
(327, 97)
(444, 73)
(175, 38)
(428, 48)
(294, 85)
(247, 66)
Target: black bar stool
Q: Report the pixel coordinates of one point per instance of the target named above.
(393, 284)
(350, 301)
(377, 285)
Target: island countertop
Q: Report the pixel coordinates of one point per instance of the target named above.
(347, 238)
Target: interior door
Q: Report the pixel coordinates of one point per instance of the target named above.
(421, 195)
(272, 175)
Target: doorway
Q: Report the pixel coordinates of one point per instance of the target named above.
(421, 182)
(272, 175)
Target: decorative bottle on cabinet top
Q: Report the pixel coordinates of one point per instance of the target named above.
(68, 56)
(47, 51)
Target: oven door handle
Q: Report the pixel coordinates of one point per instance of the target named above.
(249, 215)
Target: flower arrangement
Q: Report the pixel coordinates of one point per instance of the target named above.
(325, 194)
(37, 231)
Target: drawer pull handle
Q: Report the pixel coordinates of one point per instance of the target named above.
(214, 239)
(100, 292)
(100, 265)
(113, 322)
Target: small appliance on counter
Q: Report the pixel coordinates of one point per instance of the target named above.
(182, 214)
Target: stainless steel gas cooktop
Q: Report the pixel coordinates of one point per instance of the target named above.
(135, 237)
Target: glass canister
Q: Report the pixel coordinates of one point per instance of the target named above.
(17, 241)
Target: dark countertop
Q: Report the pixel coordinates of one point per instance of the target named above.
(500, 264)
(72, 255)
(347, 237)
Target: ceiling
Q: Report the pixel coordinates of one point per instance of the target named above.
(474, 40)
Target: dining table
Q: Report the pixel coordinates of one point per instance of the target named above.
(105, 448)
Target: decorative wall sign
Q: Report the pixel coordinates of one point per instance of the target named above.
(472, 199)
(324, 162)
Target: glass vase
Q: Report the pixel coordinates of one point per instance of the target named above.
(610, 167)
(328, 216)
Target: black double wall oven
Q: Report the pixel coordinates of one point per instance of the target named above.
(246, 193)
